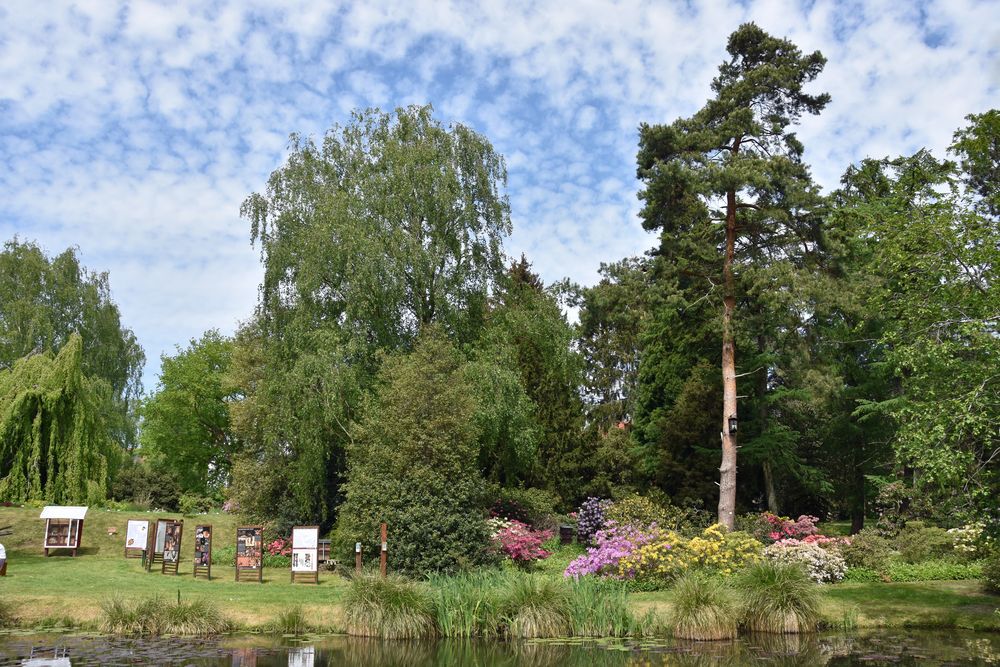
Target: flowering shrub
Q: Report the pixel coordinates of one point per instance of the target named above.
(639, 510)
(520, 543)
(280, 547)
(822, 565)
(817, 539)
(967, 539)
(497, 525)
(627, 552)
(590, 518)
(782, 527)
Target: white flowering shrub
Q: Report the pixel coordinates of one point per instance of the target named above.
(966, 539)
(823, 566)
(497, 525)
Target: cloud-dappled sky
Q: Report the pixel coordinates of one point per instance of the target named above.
(134, 130)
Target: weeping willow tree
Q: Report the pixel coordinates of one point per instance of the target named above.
(54, 436)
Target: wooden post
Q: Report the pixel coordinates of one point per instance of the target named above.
(382, 555)
(357, 557)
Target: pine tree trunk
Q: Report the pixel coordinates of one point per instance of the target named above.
(727, 471)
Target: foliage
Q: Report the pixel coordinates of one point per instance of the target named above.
(532, 506)
(146, 486)
(636, 510)
(778, 598)
(536, 607)
(867, 549)
(590, 518)
(8, 617)
(521, 544)
(704, 608)
(43, 302)
(991, 572)
(186, 425)
(412, 464)
(156, 616)
(932, 570)
(390, 607)
(918, 542)
(194, 504)
(822, 565)
(55, 438)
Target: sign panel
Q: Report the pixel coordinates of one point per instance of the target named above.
(305, 543)
(161, 535)
(137, 534)
(202, 546)
(249, 544)
(172, 541)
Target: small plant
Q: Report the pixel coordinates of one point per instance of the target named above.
(704, 609)
(536, 607)
(291, 621)
(389, 607)
(778, 598)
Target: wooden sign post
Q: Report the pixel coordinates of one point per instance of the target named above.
(171, 556)
(357, 557)
(385, 549)
(250, 553)
(305, 554)
(203, 552)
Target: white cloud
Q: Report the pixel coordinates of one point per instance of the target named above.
(134, 130)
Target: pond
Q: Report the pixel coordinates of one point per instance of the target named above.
(887, 647)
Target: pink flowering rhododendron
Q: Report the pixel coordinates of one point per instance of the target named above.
(280, 547)
(519, 542)
(784, 528)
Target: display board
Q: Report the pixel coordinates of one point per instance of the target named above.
(136, 538)
(305, 554)
(249, 553)
(203, 551)
(154, 554)
(172, 533)
(63, 527)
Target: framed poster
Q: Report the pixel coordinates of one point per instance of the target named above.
(249, 552)
(172, 546)
(203, 551)
(305, 553)
(136, 538)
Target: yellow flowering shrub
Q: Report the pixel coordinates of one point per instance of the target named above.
(670, 554)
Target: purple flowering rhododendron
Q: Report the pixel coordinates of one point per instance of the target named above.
(590, 518)
(611, 545)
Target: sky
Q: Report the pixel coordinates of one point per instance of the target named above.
(134, 130)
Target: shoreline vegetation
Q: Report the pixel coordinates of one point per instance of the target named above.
(102, 591)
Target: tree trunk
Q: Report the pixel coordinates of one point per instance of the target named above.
(769, 487)
(727, 471)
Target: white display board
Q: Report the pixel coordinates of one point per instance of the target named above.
(137, 534)
(305, 549)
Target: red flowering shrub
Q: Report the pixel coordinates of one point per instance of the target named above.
(280, 547)
(521, 544)
(782, 528)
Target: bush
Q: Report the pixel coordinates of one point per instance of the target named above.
(640, 511)
(535, 507)
(703, 609)
(778, 598)
(390, 608)
(917, 543)
(991, 572)
(821, 565)
(521, 544)
(867, 549)
(146, 486)
(968, 541)
(195, 504)
(412, 463)
(590, 519)
(863, 575)
(933, 570)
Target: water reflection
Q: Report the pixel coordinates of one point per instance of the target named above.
(879, 648)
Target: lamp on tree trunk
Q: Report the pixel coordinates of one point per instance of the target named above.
(732, 423)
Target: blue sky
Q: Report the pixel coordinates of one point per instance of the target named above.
(134, 130)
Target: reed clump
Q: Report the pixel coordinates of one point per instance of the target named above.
(155, 616)
(291, 621)
(389, 607)
(599, 608)
(778, 598)
(536, 607)
(704, 609)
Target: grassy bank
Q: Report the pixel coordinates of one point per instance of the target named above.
(60, 589)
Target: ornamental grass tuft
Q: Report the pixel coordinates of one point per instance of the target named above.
(778, 598)
(155, 616)
(599, 608)
(468, 605)
(8, 618)
(391, 607)
(291, 621)
(704, 609)
(536, 607)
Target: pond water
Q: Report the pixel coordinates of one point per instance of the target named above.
(889, 647)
